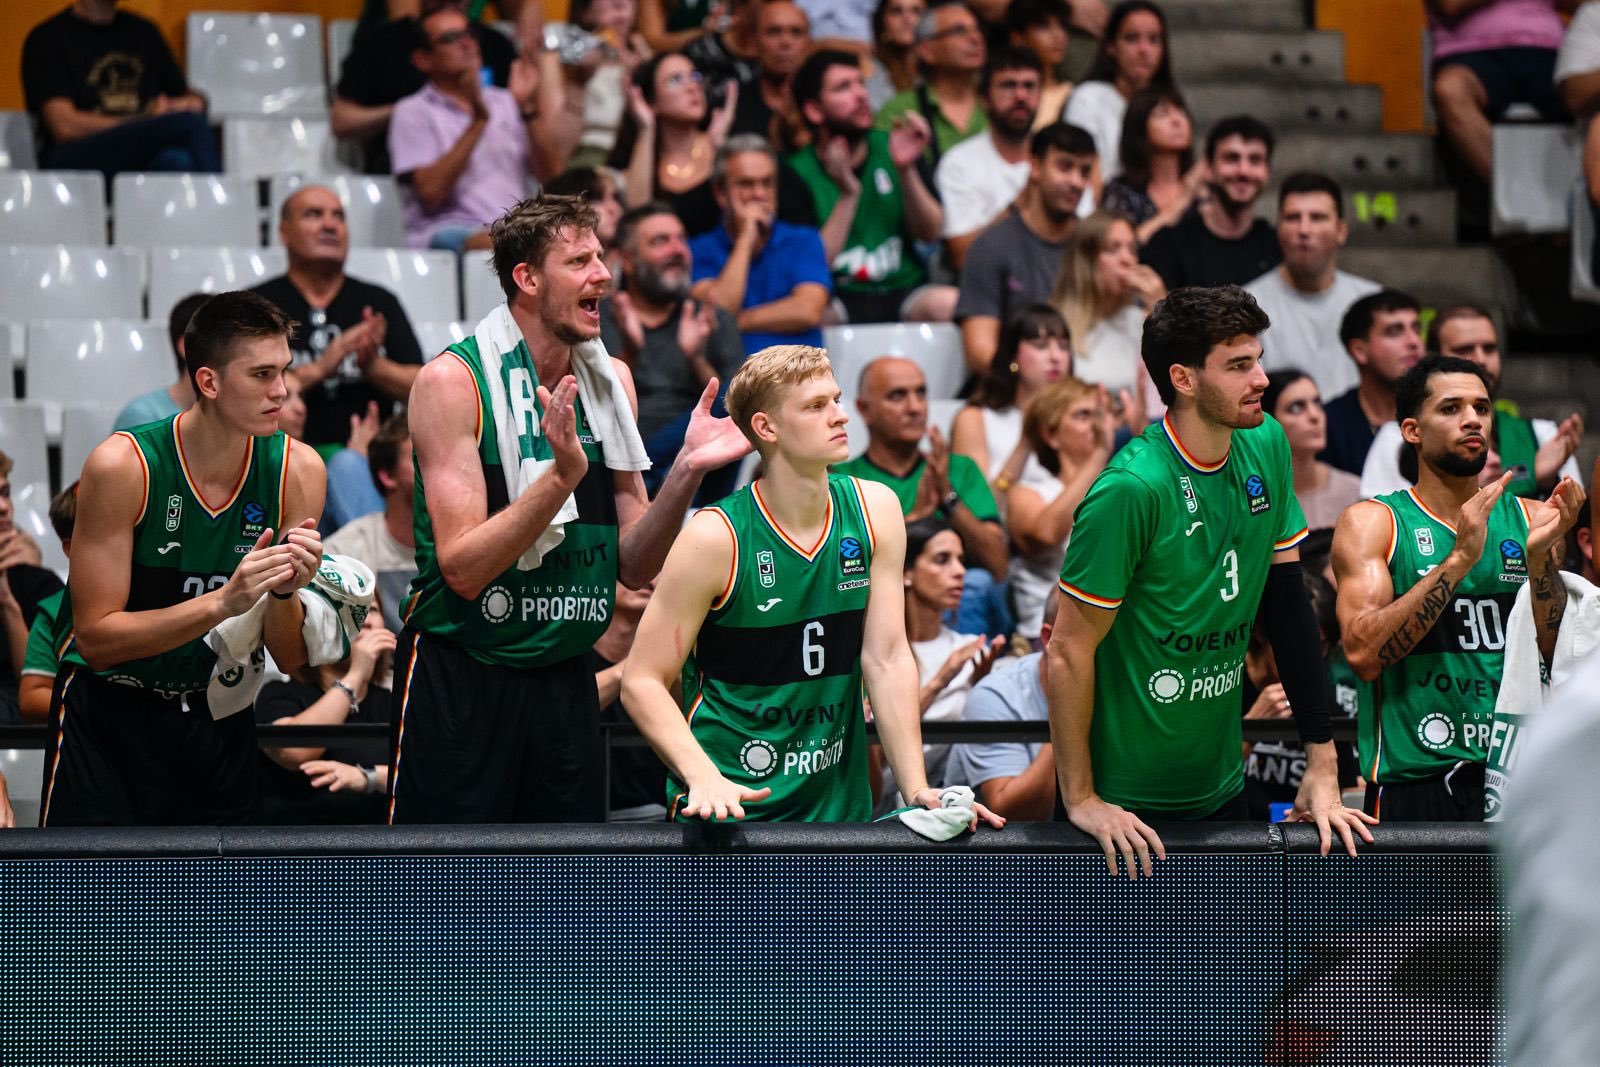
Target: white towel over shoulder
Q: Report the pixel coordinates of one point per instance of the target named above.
(512, 380)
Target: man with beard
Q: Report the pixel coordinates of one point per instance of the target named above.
(1427, 578)
(770, 273)
(1541, 448)
(866, 189)
(980, 177)
(672, 344)
(1190, 531)
(1014, 262)
(1220, 241)
(1308, 294)
(498, 712)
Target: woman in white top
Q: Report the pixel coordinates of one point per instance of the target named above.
(1035, 349)
(1324, 491)
(602, 75)
(1104, 293)
(949, 664)
(1071, 427)
(1132, 56)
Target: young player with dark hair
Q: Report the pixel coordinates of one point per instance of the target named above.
(1188, 530)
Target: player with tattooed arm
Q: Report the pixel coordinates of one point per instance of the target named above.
(1427, 577)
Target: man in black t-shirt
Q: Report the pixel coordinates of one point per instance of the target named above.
(1220, 241)
(108, 95)
(22, 587)
(352, 343)
(378, 73)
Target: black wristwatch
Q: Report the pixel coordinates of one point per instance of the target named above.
(951, 499)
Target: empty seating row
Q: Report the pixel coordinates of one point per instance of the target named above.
(69, 207)
(82, 282)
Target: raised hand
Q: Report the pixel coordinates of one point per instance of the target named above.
(1473, 526)
(710, 442)
(644, 116)
(523, 82)
(722, 117)
(363, 428)
(937, 459)
(987, 657)
(1552, 518)
(837, 164)
(628, 322)
(908, 139)
(1554, 453)
(696, 320)
(560, 428)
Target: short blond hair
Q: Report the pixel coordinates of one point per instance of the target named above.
(1044, 414)
(766, 376)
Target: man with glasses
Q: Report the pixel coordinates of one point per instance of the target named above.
(983, 175)
(950, 52)
(462, 150)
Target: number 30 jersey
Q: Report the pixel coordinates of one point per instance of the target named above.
(1180, 550)
(772, 688)
(1435, 707)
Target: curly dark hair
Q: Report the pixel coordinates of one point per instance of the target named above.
(1190, 322)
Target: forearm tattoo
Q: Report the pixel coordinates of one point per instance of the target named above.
(1549, 602)
(1412, 630)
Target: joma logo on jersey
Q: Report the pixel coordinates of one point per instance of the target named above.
(1189, 500)
(1512, 557)
(850, 556)
(766, 570)
(1424, 540)
(174, 512)
(1257, 489)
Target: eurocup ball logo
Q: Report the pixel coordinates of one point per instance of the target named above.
(1254, 485)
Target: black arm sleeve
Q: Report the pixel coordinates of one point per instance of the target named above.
(1297, 646)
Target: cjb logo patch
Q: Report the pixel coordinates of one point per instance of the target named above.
(765, 569)
(1257, 491)
(851, 559)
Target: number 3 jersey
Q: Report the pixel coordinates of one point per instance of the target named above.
(1180, 550)
(182, 547)
(772, 688)
(1435, 707)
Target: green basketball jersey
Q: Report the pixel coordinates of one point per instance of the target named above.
(1351, 692)
(1518, 446)
(46, 640)
(1435, 707)
(524, 619)
(966, 481)
(772, 687)
(877, 256)
(1180, 549)
(183, 547)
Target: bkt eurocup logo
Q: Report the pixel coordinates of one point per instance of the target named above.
(758, 758)
(497, 603)
(1512, 557)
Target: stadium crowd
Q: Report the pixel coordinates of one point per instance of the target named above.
(699, 185)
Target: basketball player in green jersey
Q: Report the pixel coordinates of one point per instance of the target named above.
(176, 531)
(498, 716)
(1188, 530)
(1427, 579)
(777, 605)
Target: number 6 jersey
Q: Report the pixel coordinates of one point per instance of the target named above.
(1180, 550)
(1435, 707)
(772, 688)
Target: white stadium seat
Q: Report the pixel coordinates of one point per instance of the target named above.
(257, 64)
(83, 427)
(371, 207)
(425, 282)
(942, 413)
(435, 337)
(24, 772)
(480, 287)
(262, 147)
(185, 209)
(16, 141)
(22, 438)
(177, 272)
(96, 361)
(13, 345)
(50, 206)
(933, 346)
(1534, 166)
(71, 281)
(1582, 285)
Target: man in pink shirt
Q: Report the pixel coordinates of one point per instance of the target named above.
(460, 148)
(1488, 55)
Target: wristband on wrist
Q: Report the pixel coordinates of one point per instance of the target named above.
(370, 779)
(344, 687)
(282, 596)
